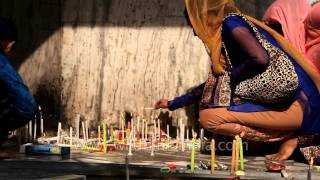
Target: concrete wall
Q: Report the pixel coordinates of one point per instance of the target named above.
(98, 58)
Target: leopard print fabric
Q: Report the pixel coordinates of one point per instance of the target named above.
(277, 83)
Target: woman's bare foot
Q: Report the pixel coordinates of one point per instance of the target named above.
(285, 150)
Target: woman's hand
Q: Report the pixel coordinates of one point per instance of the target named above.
(162, 103)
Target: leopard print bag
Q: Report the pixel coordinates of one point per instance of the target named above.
(277, 83)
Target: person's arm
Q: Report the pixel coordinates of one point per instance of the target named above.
(257, 58)
(190, 97)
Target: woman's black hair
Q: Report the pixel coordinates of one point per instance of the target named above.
(8, 30)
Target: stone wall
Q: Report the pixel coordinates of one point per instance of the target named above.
(98, 58)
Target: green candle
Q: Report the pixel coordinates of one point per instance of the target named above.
(192, 155)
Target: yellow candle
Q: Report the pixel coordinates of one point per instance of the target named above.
(192, 155)
(212, 156)
(128, 135)
(104, 137)
(237, 154)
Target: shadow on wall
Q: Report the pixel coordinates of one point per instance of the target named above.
(40, 21)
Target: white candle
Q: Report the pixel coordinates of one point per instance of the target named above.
(146, 133)
(138, 124)
(30, 130)
(70, 135)
(180, 122)
(192, 133)
(155, 128)
(99, 134)
(41, 122)
(142, 136)
(201, 134)
(132, 121)
(35, 129)
(78, 127)
(83, 131)
(182, 138)
(59, 133)
(87, 130)
(187, 134)
(159, 128)
(122, 128)
(201, 138)
(130, 144)
(152, 145)
(177, 138)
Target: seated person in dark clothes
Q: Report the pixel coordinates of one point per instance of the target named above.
(17, 105)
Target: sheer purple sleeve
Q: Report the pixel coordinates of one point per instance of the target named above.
(191, 97)
(257, 58)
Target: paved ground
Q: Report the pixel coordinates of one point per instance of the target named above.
(140, 166)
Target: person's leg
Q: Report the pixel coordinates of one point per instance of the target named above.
(11, 119)
(257, 126)
(261, 126)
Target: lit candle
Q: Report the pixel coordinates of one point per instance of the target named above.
(104, 127)
(192, 155)
(41, 121)
(212, 156)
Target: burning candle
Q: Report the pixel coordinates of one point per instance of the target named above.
(41, 121)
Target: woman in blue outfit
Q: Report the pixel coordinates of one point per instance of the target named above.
(259, 86)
